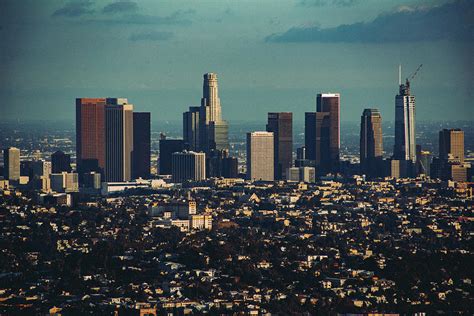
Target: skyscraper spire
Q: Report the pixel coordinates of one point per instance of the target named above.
(210, 98)
(213, 131)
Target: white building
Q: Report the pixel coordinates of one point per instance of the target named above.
(260, 156)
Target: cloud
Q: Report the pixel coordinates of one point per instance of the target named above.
(151, 36)
(120, 7)
(74, 9)
(323, 3)
(451, 21)
(177, 18)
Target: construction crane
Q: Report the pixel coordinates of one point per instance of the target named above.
(414, 74)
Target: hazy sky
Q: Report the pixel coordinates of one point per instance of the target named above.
(270, 55)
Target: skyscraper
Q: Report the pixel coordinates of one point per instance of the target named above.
(167, 148)
(118, 140)
(281, 124)
(371, 146)
(90, 134)
(405, 141)
(451, 145)
(212, 136)
(191, 128)
(328, 117)
(60, 162)
(141, 145)
(260, 156)
(450, 165)
(11, 163)
(188, 165)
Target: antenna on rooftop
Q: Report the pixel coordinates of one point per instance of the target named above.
(399, 74)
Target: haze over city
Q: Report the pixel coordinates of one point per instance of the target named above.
(297, 157)
(270, 55)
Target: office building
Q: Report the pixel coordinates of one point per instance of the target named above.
(167, 148)
(371, 146)
(322, 133)
(405, 140)
(118, 140)
(92, 180)
(141, 145)
(90, 134)
(191, 128)
(450, 165)
(260, 156)
(212, 129)
(281, 124)
(328, 107)
(60, 162)
(11, 164)
(301, 174)
(423, 161)
(64, 182)
(451, 145)
(40, 168)
(188, 166)
(230, 167)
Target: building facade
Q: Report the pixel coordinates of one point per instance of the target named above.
(90, 134)
(371, 144)
(11, 163)
(141, 145)
(281, 124)
(405, 140)
(167, 148)
(260, 159)
(188, 166)
(60, 162)
(118, 140)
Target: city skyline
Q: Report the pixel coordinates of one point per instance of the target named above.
(169, 43)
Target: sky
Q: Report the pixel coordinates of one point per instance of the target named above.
(270, 55)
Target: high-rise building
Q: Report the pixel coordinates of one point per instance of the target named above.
(41, 168)
(60, 162)
(301, 174)
(141, 145)
(64, 182)
(451, 165)
(423, 161)
(328, 117)
(118, 140)
(11, 164)
(281, 124)
(405, 140)
(191, 128)
(371, 146)
(317, 140)
(90, 134)
(212, 136)
(451, 145)
(218, 137)
(167, 148)
(260, 156)
(188, 166)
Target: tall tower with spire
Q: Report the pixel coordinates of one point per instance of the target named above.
(405, 140)
(213, 131)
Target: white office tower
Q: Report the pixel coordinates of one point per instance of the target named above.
(210, 98)
(260, 156)
(405, 141)
(188, 166)
(118, 140)
(11, 164)
(213, 131)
